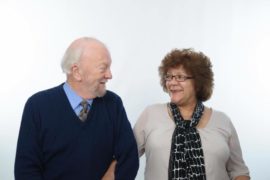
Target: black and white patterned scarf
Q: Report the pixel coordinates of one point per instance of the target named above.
(186, 158)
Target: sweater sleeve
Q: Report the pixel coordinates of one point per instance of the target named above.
(28, 156)
(236, 165)
(126, 152)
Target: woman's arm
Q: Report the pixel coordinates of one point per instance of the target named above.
(236, 166)
(109, 175)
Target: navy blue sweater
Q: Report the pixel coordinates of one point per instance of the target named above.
(54, 144)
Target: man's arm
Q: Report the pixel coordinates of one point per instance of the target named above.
(28, 156)
(126, 151)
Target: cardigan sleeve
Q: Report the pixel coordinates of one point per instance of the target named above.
(126, 152)
(235, 165)
(139, 132)
(28, 155)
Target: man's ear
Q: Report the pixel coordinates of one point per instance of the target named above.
(75, 71)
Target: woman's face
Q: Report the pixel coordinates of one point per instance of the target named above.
(181, 91)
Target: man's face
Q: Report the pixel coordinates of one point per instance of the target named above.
(94, 68)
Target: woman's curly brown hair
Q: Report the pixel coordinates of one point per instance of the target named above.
(195, 64)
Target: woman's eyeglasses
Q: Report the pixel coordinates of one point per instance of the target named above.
(179, 78)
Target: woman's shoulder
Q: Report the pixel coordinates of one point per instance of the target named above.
(153, 111)
(156, 107)
(220, 114)
(220, 118)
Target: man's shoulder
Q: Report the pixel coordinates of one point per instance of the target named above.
(111, 99)
(43, 94)
(110, 95)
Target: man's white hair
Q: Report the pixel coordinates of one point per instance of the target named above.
(70, 57)
(74, 52)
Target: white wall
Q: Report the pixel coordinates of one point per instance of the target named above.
(235, 34)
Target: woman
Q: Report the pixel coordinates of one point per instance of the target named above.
(184, 139)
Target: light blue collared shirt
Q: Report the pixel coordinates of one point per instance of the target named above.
(74, 99)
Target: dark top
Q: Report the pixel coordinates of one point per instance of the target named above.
(54, 144)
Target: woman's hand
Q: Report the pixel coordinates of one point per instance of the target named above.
(242, 178)
(109, 175)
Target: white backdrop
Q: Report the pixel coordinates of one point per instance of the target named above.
(235, 34)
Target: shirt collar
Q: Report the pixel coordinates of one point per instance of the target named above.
(73, 98)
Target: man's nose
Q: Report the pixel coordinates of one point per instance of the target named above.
(108, 74)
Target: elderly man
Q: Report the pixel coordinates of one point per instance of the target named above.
(75, 130)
